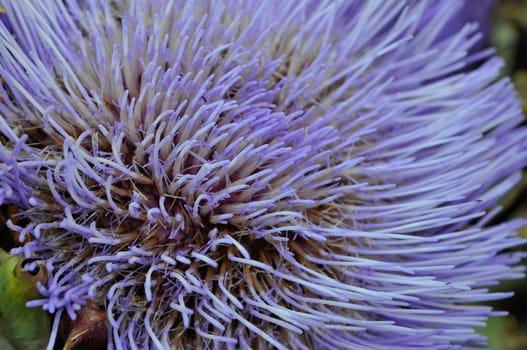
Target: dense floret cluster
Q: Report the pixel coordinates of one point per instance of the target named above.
(256, 174)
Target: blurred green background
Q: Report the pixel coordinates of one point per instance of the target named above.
(508, 33)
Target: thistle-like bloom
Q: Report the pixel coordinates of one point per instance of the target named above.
(257, 174)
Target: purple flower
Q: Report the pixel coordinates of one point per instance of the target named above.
(479, 12)
(246, 174)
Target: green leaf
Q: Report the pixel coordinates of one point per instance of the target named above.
(24, 328)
